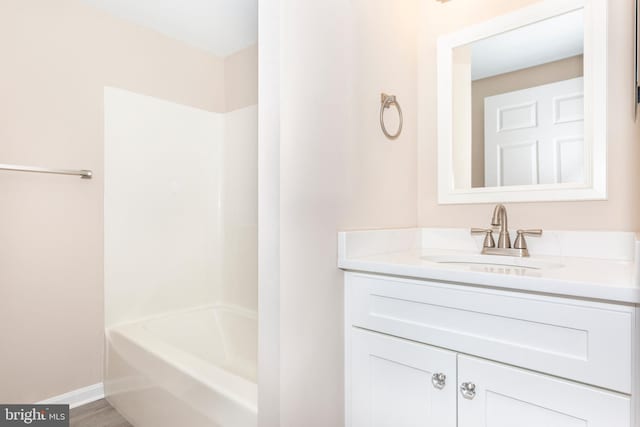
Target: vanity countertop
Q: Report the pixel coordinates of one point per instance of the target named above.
(594, 265)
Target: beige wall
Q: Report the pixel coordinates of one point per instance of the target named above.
(551, 72)
(241, 78)
(620, 212)
(337, 171)
(56, 59)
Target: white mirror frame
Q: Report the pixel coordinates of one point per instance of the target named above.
(595, 80)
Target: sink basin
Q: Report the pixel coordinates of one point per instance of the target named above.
(493, 260)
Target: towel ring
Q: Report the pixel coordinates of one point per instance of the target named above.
(386, 102)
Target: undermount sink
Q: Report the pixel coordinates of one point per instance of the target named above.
(502, 261)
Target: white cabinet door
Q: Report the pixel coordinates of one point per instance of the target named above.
(535, 135)
(392, 383)
(509, 397)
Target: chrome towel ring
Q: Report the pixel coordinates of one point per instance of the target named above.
(386, 102)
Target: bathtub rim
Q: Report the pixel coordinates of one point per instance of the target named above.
(239, 390)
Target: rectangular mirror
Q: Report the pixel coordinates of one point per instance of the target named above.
(522, 106)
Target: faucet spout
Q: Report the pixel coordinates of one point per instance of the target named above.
(500, 219)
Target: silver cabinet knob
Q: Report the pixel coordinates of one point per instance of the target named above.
(468, 390)
(439, 380)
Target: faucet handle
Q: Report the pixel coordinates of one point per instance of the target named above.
(481, 230)
(520, 242)
(488, 238)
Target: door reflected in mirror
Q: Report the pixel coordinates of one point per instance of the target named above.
(518, 106)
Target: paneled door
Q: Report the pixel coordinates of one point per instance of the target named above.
(535, 135)
(399, 383)
(495, 395)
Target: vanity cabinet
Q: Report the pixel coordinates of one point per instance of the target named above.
(427, 353)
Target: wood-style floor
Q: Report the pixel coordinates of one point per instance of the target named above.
(97, 414)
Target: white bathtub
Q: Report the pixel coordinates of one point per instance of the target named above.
(189, 369)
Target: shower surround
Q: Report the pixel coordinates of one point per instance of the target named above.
(180, 262)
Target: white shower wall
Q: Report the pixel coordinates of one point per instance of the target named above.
(240, 209)
(178, 188)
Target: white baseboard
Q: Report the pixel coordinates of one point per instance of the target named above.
(78, 397)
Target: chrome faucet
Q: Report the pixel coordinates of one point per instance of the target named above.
(499, 219)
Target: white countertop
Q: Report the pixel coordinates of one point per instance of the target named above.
(602, 265)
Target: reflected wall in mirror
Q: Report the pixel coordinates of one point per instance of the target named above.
(517, 109)
(518, 97)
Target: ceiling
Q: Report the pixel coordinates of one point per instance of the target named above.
(546, 41)
(221, 27)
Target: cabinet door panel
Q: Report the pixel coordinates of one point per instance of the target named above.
(391, 383)
(507, 397)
